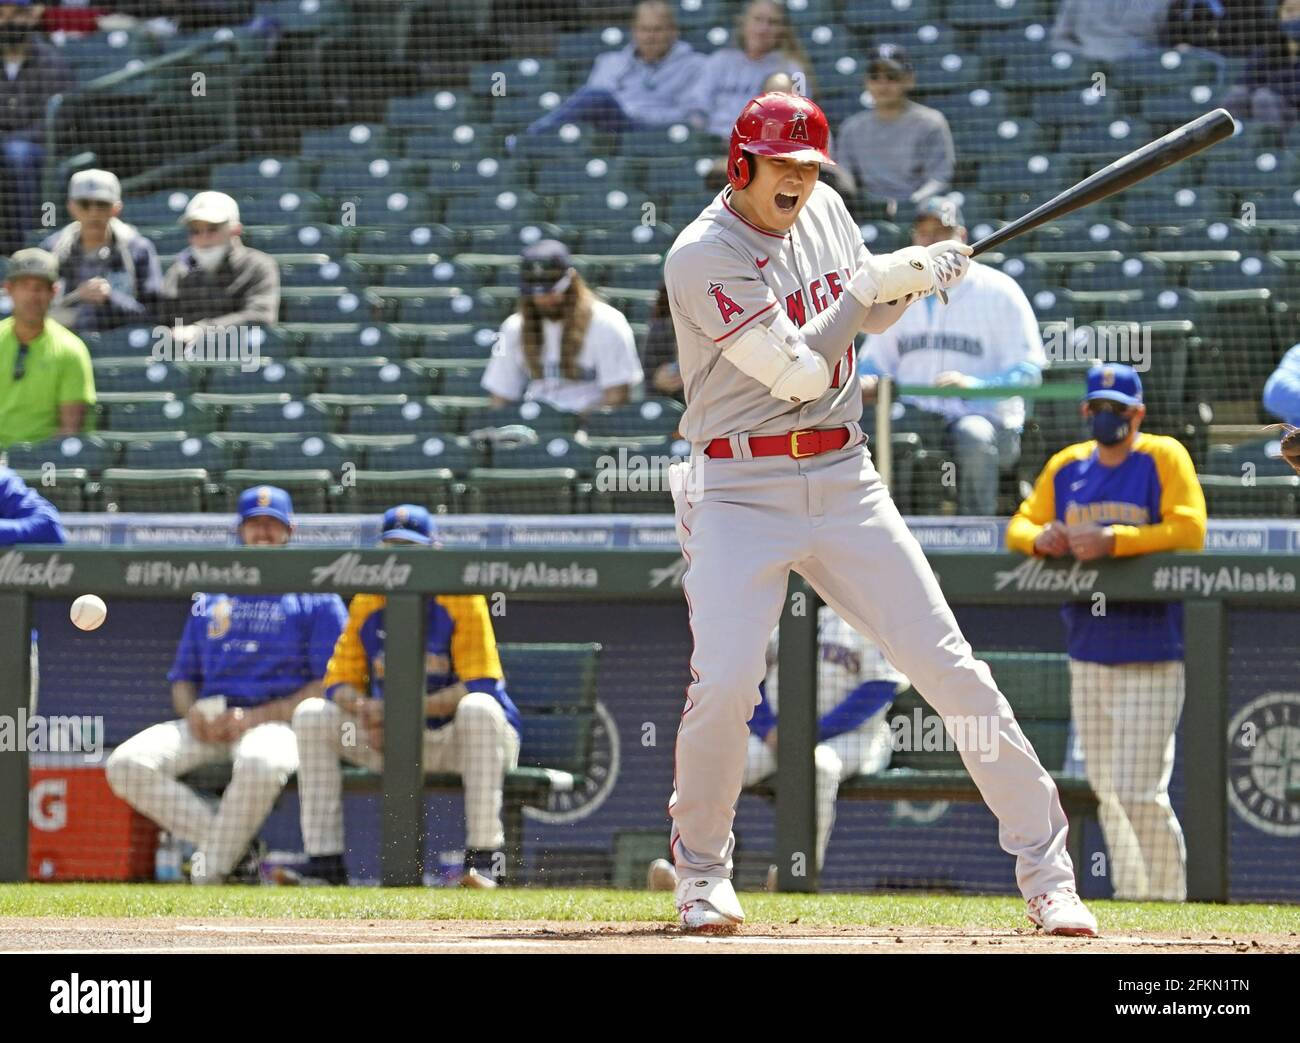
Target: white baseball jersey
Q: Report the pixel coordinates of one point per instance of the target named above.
(723, 274)
(608, 358)
(987, 327)
(846, 660)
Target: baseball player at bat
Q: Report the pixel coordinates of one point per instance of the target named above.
(768, 288)
(471, 728)
(244, 663)
(1123, 493)
(856, 687)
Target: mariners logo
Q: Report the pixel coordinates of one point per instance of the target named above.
(264, 496)
(583, 799)
(219, 619)
(1264, 760)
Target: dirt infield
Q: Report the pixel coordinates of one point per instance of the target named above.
(210, 935)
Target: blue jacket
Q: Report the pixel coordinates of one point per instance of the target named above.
(26, 516)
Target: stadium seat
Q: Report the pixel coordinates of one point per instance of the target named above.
(1042, 67)
(468, 142)
(1260, 457)
(438, 274)
(368, 140)
(371, 491)
(1184, 205)
(324, 304)
(255, 176)
(473, 176)
(319, 271)
(984, 14)
(551, 450)
(1128, 274)
(377, 378)
(883, 236)
(155, 413)
(530, 76)
(654, 416)
(65, 487)
(431, 109)
(206, 453)
(1008, 134)
(463, 378)
(382, 417)
(1111, 139)
(1175, 105)
(88, 453)
(545, 420)
(322, 452)
(290, 207)
(1250, 271)
(1169, 70)
(299, 238)
(1074, 106)
(356, 341)
(159, 209)
(1221, 239)
(311, 488)
(509, 206)
(163, 490)
(894, 14)
(424, 453)
(957, 69)
(445, 306)
(284, 416)
(266, 377)
(123, 342)
(1227, 496)
(389, 208)
(424, 242)
(137, 375)
(1040, 174)
(527, 491)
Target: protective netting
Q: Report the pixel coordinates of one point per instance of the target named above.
(393, 159)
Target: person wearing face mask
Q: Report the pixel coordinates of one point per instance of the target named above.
(244, 664)
(111, 273)
(563, 346)
(217, 282)
(32, 72)
(1269, 91)
(1123, 493)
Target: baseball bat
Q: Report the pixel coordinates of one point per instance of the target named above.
(1138, 165)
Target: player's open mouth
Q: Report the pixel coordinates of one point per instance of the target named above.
(786, 202)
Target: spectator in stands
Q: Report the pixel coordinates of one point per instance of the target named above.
(642, 85)
(661, 350)
(111, 274)
(563, 346)
(898, 150)
(217, 283)
(244, 663)
(1108, 30)
(33, 73)
(1270, 89)
(986, 337)
(731, 76)
(471, 726)
(1121, 494)
(1282, 389)
(46, 382)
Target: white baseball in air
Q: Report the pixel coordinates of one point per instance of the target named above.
(89, 612)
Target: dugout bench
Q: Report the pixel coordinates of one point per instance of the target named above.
(554, 687)
(1037, 685)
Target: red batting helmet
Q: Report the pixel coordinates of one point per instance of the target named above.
(776, 124)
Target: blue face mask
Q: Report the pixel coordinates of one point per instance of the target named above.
(1290, 28)
(1109, 428)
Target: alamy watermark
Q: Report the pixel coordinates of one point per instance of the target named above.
(215, 344)
(1123, 342)
(35, 733)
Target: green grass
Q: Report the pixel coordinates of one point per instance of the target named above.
(360, 903)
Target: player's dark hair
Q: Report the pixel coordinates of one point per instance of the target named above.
(576, 316)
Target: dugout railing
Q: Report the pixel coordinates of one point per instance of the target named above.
(1208, 585)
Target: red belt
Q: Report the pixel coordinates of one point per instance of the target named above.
(797, 443)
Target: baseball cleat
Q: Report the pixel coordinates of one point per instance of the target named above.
(476, 881)
(661, 876)
(1061, 912)
(708, 905)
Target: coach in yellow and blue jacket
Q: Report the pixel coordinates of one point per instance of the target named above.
(471, 726)
(1123, 493)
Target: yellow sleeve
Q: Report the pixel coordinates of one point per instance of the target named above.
(349, 664)
(473, 641)
(1039, 507)
(1182, 504)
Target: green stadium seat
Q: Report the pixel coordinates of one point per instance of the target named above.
(352, 139)
(957, 69)
(464, 378)
(431, 109)
(318, 271)
(580, 176)
(311, 240)
(504, 237)
(397, 418)
(978, 106)
(160, 208)
(1261, 457)
(346, 175)
(894, 14)
(371, 491)
(1051, 303)
(545, 420)
(446, 306)
(1245, 170)
(468, 177)
(137, 375)
(85, 452)
(1250, 271)
(1129, 274)
(1184, 205)
(1074, 106)
(528, 76)
(1221, 239)
(256, 176)
(163, 490)
(314, 452)
(390, 208)
(985, 14)
(597, 207)
(1227, 496)
(512, 113)
(438, 274)
(277, 417)
(123, 342)
(681, 175)
(310, 488)
(996, 41)
(1031, 274)
(635, 276)
(668, 144)
(268, 377)
(290, 207)
(1111, 139)
(425, 453)
(150, 413)
(1280, 203)
(1175, 104)
(426, 242)
(1171, 69)
(324, 304)
(1041, 67)
(527, 491)
(376, 378)
(1040, 174)
(547, 452)
(65, 487)
(1005, 135)
(444, 341)
(355, 341)
(304, 16)
(653, 416)
(883, 236)
(505, 207)
(170, 453)
(468, 141)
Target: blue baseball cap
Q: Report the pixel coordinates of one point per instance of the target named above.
(1116, 382)
(408, 523)
(266, 501)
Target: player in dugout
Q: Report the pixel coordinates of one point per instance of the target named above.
(471, 726)
(1123, 493)
(244, 663)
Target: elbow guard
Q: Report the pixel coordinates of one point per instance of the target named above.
(786, 366)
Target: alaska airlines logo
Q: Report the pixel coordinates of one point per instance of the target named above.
(51, 573)
(347, 570)
(1035, 575)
